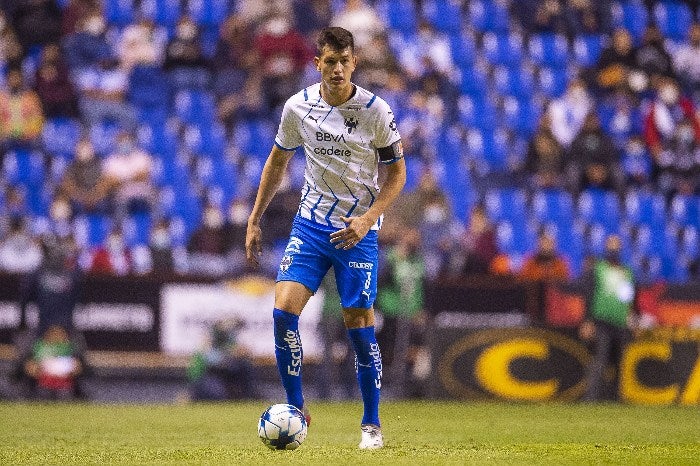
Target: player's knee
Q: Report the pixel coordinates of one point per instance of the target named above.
(358, 317)
(291, 296)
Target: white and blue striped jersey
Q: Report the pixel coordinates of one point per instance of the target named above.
(341, 145)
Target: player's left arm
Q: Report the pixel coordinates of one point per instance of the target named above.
(357, 227)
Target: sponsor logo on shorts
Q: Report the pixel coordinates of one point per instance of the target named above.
(293, 245)
(286, 262)
(361, 265)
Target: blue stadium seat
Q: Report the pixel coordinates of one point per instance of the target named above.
(645, 207)
(674, 19)
(487, 15)
(474, 80)
(553, 206)
(463, 49)
(477, 112)
(148, 87)
(163, 12)
(209, 12)
(587, 49)
(104, 136)
(506, 204)
(24, 167)
(631, 15)
(522, 115)
(517, 81)
(193, 106)
(598, 206)
(99, 226)
(444, 15)
(552, 81)
(136, 229)
(685, 209)
(549, 50)
(401, 16)
(516, 237)
(119, 12)
(689, 244)
(502, 49)
(60, 136)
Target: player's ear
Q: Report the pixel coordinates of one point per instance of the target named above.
(317, 62)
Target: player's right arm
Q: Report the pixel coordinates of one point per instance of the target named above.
(272, 174)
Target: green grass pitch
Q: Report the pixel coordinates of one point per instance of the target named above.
(415, 433)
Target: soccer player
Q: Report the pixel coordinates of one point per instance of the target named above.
(345, 131)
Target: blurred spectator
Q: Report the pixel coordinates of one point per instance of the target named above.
(55, 285)
(361, 20)
(280, 213)
(55, 365)
(207, 244)
(14, 205)
(233, 57)
(616, 61)
(545, 264)
(609, 309)
(587, 17)
(160, 246)
(651, 57)
(283, 54)
(686, 61)
(83, 182)
(478, 244)
(113, 257)
(378, 62)
(223, 371)
(400, 298)
(235, 228)
(74, 12)
(622, 115)
(184, 58)
(595, 156)
(636, 162)
(568, 112)
(141, 43)
(60, 216)
(88, 46)
(53, 85)
(128, 171)
(19, 251)
(11, 52)
(544, 161)
(21, 115)
(37, 22)
(103, 92)
(426, 51)
(541, 16)
(672, 133)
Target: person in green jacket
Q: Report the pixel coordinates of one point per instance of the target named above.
(610, 312)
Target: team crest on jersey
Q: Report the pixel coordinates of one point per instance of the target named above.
(350, 124)
(286, 262)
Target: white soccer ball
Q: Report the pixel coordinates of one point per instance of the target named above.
(282, 427)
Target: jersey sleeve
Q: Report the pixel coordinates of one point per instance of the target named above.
(288, 136)
(386, 131)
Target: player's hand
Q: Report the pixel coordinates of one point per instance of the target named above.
(253, 243)
(348, 237)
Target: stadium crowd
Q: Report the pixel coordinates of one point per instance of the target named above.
(135, 130)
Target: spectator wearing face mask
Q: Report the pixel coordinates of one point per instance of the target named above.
(84, 182)
(113, 257)
(128, 171)
(88, 46)
(60, 217)
(595, 156)
(207, 245)
(184, 58)
(672, 133)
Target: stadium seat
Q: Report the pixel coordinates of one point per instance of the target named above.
(148, 87)
(553, 206)
(517, 81)
(463, 49)
(631, 15)
(163, 12)
(674, 19)
(477, 112)
(24, 167)
(552, 81)
(208, 12)
(522, 115)
(488, 15)
(598, 206)
(444, 15)
(685, 209)
(119, 12)
(502, 49)
(401, 16)
(587, 49)
(506, 204)
(474, 80)
(193, 106)
(548, 50)
(60, 135)
(136, 229)
(645, 207)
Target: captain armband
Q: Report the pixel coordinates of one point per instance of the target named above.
(391, 154)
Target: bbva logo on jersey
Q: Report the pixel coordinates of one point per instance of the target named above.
(322, 136)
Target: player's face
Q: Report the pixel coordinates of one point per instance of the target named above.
(336, 67)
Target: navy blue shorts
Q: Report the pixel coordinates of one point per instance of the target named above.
(310, 253)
